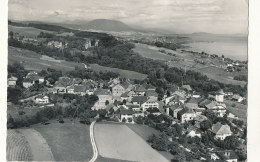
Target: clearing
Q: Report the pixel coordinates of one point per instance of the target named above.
(120, 142)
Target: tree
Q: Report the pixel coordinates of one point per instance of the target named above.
(205, 125)
(139, 120)
(44, 120)
(10, 122)
(60, 119)
(84, 118)
(107, 102)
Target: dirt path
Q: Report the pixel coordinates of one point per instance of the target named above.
(40, 148)
(95, 154)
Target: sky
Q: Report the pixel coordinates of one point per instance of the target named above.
(177, 16)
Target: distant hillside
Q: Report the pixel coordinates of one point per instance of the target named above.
(100, 24)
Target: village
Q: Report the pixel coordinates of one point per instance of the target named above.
(122, 100)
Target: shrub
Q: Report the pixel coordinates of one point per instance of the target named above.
(44, 120)
(233, 105)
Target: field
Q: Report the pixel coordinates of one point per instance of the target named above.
(123, 73)
(34, 61)
(120, 142)
(144, 132)
(17, 147)
(239, 110)
(55, 141)
(188, 60)
(26, 31)
(68, 141)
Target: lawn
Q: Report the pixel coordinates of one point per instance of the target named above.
(68, 141)
(17, 147)
(120, 142)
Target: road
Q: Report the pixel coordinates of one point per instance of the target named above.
(92, 139)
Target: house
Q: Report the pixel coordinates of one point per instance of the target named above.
(96, 43)
(237, 98)
(60, 88)
(151, 94)
(118, 90)
(70, 89)
(173, 110)
(218, 108)
(193, 133)
(150, 103)
(80, 89)
(139, 100)
(41, 99)
(221, 131)
(226, 156)
(11, 82)
(186, 114)
(139, 90)
(220, 96)
(136, 108)
(125, 115)
(149, 86)
(27, 83)
(87, 43)
(187, 88)
(55, 44)
(196, 95)
(104, 96)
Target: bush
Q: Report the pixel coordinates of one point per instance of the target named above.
(233, 105)
(60, 119)
(44, 120)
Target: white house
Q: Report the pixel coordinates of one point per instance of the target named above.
(220, 96)
(186, 114)
(194, 133)
(11, 82)
(118, 90)
(41, 99)
(237, 98)
(221, 131)
(151, 102)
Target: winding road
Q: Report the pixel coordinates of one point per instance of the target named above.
(92, 139)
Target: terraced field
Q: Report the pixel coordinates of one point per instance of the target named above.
(17, 147)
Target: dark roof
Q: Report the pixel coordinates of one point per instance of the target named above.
(185, 110)
(124, 94)
(187, 87)
(151, 93)
(27, 80)
(204, 102)
(140, 99)
(102, 92)
(226, 155)
(140, 88)
(80, 88)
(126, 111)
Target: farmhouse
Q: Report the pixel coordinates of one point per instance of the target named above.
(218, 108)
(125, 115)
(221, 131)
(150, 103)
(11, 82)
(104, 95)
(80, 89)
(186, 115)
(41, 99)
(139, 100)
(60, 88)
(118, 90)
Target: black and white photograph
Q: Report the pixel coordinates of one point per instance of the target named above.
(127, 81)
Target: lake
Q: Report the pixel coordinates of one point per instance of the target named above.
(236, 50)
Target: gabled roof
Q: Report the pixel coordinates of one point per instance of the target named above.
(118, 86)
(125, 94)
(220, 92)
(13, 78)
(220, 129)
(76, 80)
(180, 94)
(126, 111)
(215, 105)
(151, 93)
(140, 88)
(58, 84)
(126, 84)
(186, 111)
(102, 92)
(192, 105)
(187, 87)
(204, 102)
(236, 96)
(140, 99)
(65, 81)
(80, 88)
